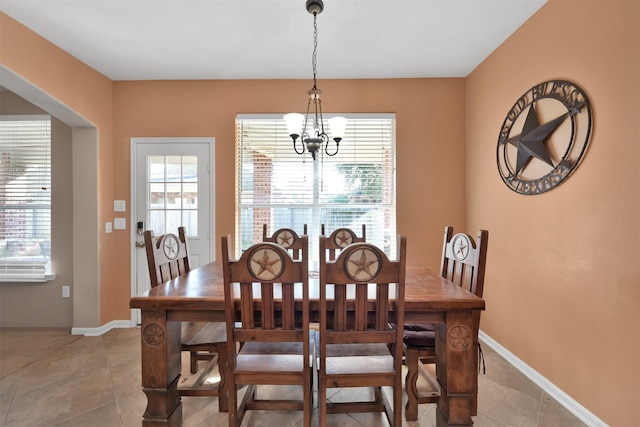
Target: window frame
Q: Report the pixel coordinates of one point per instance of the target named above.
(351, 153)
(28, 267)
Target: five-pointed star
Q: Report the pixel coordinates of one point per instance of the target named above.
(266, 263)
(285, 239)
(531, 142)
(461, 248)
(362, 264)
(343, 238)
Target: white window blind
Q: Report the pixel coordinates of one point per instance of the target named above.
(25, 198)
(277, 187)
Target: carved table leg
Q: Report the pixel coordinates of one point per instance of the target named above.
(161, 369)
(456, 365)
(223, 400)
(410, 385)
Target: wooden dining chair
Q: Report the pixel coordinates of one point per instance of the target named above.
(168, 258)
(463, 263)
(358, 346)
(267, 318)
(341, 237)
(287, 238)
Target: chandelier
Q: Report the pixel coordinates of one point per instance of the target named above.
(297, 123)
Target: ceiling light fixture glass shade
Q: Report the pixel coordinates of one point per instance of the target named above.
(311, 129)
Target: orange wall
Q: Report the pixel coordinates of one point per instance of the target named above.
(88, 93)
(563, 273)
(430, 143)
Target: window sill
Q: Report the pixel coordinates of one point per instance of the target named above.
(26, 271)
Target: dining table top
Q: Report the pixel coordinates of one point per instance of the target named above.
(203, 289)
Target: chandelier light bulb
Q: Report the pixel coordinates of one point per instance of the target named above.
(337, 126)
(294, 124)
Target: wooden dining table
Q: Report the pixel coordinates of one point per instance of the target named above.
(199, 296)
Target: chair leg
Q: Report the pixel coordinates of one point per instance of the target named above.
(322, 402)
(308, 398)
(411, 385)
(397, 404)
(249, 396)
(232, 408)
(237, 411)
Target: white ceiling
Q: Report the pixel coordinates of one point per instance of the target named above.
(273, 39)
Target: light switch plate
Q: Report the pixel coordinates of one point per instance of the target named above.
(120, 223)
(119, 206)
(108, 227)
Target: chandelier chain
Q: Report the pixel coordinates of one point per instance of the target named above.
(315, 138)
(315, 48)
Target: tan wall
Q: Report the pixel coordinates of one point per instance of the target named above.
(430, 143)
(563, 271)
(62, 80)
(41, 304)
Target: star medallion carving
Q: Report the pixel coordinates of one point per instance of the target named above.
(285, 238)
(362, 265)
(461, 245)
(265, 264)
(170, 246)
(554, 122)
(459, 337)
(343, 238)
(153, 334)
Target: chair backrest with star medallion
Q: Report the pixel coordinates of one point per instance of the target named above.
(287, 238)
(167, 256)
(266, 296)
(361, 299)
(340, 238)
(259, 292)
(463, 260)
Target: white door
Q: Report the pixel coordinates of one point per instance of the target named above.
(172, 185)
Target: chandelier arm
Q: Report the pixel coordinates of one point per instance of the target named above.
(295, 145)
(319, 104)
(326, 148)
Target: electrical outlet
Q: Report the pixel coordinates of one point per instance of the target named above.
(66, 291)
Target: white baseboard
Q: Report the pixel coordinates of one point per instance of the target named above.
(94, 332)
(552, 390)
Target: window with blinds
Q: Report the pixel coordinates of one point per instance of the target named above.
(277, 187)
(25, 198)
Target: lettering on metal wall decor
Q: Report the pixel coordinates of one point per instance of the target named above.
(544, 137)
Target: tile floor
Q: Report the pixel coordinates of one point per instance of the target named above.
(50, 378)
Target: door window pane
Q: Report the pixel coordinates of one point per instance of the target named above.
(173, 193)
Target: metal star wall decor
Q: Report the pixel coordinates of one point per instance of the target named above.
(552, 141)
